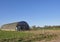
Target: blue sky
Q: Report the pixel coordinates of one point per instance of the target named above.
(35, 12)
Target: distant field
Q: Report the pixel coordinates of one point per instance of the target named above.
(41, 35)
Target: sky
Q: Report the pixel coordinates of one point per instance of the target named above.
(34, 12)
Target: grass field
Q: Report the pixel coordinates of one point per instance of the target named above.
(41, 35)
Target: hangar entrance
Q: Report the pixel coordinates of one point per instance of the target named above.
(19, 28)
(22, 26)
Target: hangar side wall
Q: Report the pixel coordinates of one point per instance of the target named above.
(9, 27)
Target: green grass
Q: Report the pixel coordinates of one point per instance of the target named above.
(15, 36)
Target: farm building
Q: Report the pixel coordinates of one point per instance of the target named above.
(16, 26)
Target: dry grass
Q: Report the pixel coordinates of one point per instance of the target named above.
(54, 33)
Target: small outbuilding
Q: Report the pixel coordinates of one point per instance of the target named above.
(16, 26)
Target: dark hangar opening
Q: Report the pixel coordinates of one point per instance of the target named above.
(22, 26)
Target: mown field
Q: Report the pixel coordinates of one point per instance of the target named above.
(41, 35)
